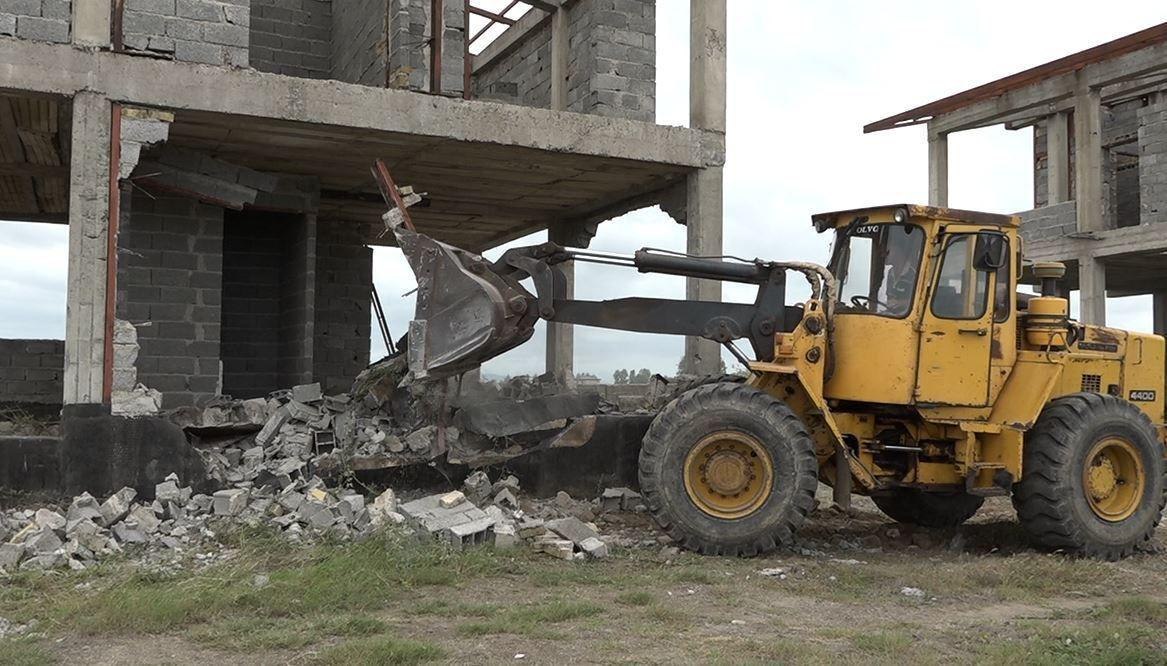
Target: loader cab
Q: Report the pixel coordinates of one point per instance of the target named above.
(925, 308)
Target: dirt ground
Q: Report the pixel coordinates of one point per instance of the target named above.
(855, 587)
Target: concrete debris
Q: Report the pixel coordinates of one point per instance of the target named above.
(620, 499)
(178, 525)
(912, 592)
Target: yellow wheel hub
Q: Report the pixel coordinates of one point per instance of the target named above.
(728, 475)
(1114, 479)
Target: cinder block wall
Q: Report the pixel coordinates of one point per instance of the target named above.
(611, 64)
(170, 265)
(294, 37)
(358, 47)
(250, 345)
(214, 32)
(1121, 190)
(39, 20)
(30, 372)
(268, 292)
(1049, 222)
(344, 278)
(1153, 163)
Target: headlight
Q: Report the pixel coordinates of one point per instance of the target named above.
(901, 215)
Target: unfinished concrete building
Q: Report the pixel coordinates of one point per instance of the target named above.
(212, 161)
(1099, 120)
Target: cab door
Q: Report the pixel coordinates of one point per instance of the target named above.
(957, 323)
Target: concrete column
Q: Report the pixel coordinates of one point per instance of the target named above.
(91, 23)
(89, 194)
(1092, 291)
(560, 51)
(1088, 159)
(1057, 163)
(560, 353)
(705, 189)
(1159, 308)
(937, 169)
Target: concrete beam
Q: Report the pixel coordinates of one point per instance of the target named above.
(1088, 162)
(1143, 238)
(63, 70)
(1058, 158)
(89, 209)
(937, 169)
(1057, 89)
(1092, 291)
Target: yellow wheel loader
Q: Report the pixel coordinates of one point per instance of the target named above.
(915, 373)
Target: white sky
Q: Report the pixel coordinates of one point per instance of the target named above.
(803, 80)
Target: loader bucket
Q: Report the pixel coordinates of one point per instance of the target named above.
(466, 313)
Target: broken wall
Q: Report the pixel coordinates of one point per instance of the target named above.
(293, 37)
(38, 20)
(170, 263)
(611, 62)
(31, 372)
(344, 279)
(214, 32)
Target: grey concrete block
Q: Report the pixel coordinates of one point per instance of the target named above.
(187, 51)
(144, 23)
(7, 24)
(203, 10)
(41, 29)
(21, 7)
(57, 9)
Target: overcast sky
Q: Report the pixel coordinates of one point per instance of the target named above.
(804, 77)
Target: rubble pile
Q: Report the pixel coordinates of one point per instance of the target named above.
(179, 521)
(485, 512)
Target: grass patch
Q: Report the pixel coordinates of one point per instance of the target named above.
(1135, 609)
(381, 650)
(666, 614)
(261, 634)
(24, 652)
(882, 642)
(636, 598)
(331, 578)
(1113, 642)
(455, 609)
(531, 620)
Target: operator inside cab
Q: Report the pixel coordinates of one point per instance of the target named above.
(877, 266)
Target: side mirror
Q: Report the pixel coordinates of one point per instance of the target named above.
(992, 252)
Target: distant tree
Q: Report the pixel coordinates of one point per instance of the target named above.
(642, 376)
(620, 376)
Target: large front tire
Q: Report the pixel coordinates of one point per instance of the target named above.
(727, 469)
(1093, 477)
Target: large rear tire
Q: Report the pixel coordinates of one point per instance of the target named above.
(1093, 477)
(915, 507)
(727, 469)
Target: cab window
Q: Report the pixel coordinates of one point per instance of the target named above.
(961, 290)
(877, 266)
(1004, 290)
